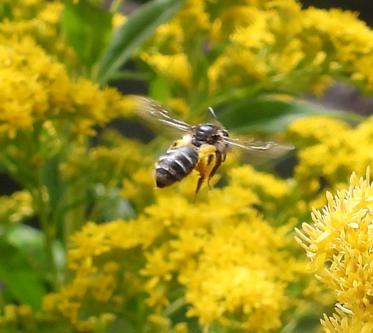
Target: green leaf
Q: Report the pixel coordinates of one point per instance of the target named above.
(28, 240)
(130, 75)
(270, 115)
(132, 34)
(5, 11)
(19, 281)
(110, 205)
(159, 89)
(87, 29)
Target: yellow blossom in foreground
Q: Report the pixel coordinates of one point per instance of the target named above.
(339, 246)
(233, 266)
(234, 280)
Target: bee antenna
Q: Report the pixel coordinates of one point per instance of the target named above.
(211, 110)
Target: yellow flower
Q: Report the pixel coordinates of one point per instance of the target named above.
(333, 151)
(16, 315)
(24, 95)
(351, 40)
(256, 25)
(272, 45)
(339, 245)
(118, 20)
(35, 87)
(39, 20)
(178, 106)
(174, 67)
(309, 131)
(263, 184)
(193, 11)
(220, 250)
(233, 276)
(16, 207)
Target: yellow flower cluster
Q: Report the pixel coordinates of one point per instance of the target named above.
(39, 20)
(16, 207)
(350, 41)
(236, 285)
(333, 150)
(32, 84)
(12, 314)
(22, 9)
(35, 88)
(43, 108)
(310, 131)
(89, 283)
(233, 265)
(271, 45)
(97, 277)
(224, 261)
(118, 164)
(339, 245)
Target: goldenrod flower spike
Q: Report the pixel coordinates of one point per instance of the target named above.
(339, 244)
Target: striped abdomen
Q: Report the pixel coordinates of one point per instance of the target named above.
(177, 163)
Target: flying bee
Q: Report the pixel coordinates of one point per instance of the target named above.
(203, 147)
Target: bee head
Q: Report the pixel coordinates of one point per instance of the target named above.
(209, 133)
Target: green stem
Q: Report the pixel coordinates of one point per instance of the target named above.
(206, 329)
(49, 234)
(126, 75)
(225, 97)
(115, 5)
(173, 307)
(74, 213)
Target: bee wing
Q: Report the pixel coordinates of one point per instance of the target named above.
(148, 108)
(260, 150)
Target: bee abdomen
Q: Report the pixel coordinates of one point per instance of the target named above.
(176, 164)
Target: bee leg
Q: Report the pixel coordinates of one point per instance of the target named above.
(199, 184)
(205, 163)
(218, 161)
(210, 159)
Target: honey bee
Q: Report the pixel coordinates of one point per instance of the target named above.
(203, 147)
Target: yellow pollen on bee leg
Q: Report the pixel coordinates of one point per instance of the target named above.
(206, 161)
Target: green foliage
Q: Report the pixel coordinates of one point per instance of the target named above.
(87, 29)
(159, 89)
(273, 115)
(21, 279)
(5, 10)
(132, 34)
(101, 51)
